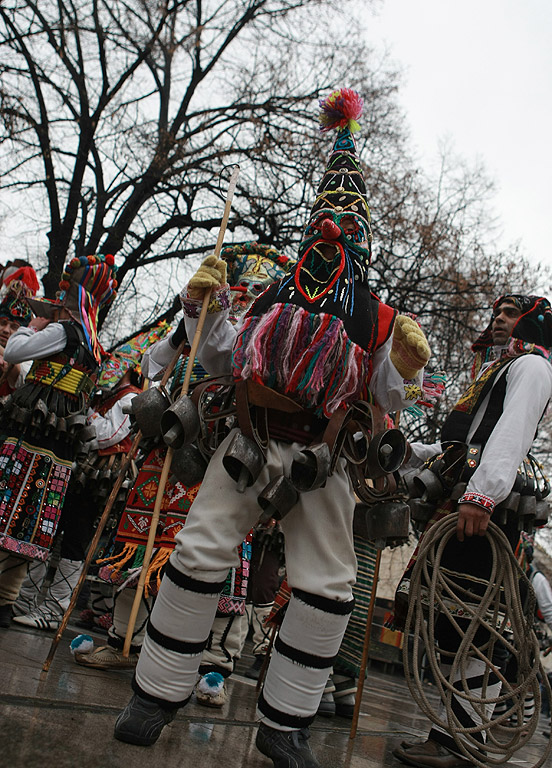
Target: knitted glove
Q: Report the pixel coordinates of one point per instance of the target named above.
(211, 274)
(410, 350)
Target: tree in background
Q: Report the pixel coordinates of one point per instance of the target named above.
(119, 121)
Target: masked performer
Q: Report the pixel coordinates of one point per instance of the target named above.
(15, 312)
(313, 343)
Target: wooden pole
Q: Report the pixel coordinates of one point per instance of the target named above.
(161, 488)
(103, 520)
(91, 550)
(168, 457)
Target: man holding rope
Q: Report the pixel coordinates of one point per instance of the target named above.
(497, 419)
(314, 342)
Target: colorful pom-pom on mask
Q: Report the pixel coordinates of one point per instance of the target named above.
(341, 109)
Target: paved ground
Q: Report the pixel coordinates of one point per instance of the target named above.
(65, 719)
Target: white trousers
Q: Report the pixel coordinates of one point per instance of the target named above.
(320, 562)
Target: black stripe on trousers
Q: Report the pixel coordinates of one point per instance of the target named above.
(163, 703)
(302, 657)
(193, 585)
(283, 718)
(338, 607)
(172, 644)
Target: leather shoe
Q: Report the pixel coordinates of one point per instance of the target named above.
(142, 721)
(429, 754)
(286, 749)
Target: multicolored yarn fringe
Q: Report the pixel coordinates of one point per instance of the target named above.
(341, 109)
(87, 284)
(433, 387)
(22, 282)
(303, 353)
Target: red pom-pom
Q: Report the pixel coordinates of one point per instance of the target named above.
(74, 263)
(64, 285)
(342, 108)
(91, 260)
(115, 285)
(110, 259)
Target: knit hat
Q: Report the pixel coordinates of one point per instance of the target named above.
(87, 284)
(534, 325)
(17, 287)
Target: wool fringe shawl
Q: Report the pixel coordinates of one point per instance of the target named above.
(308, 356)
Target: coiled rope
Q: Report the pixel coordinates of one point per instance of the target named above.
(501, 612)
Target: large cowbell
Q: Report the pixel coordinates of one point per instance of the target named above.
(310, 467)
(180, 424)
(188, 465)
(243, 461)
(277, 499)
(147, 409)
(386, 453)
(386, 523)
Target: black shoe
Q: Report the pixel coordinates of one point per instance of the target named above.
(142, 721)
(254, 670)
(286, 749)
(6, 613)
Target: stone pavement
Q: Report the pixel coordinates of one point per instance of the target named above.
(64, 719)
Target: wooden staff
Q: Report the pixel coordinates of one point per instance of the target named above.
(91, 550)
(102, 522)
(168, 456)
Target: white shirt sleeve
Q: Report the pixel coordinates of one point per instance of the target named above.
(114, 425)
(28, 344)
(156, 358)
(543, 592)
(391, 391)
(528, 390)
(216, 343)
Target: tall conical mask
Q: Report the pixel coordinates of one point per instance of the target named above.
(337, 238)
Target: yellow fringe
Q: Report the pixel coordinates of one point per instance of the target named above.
(156, 565)
(129, 551)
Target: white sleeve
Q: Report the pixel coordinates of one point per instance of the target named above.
(528, 390)
(543, 592)
(114, 425)
(28, 344)
(391, 391)
(24, 369)
(156, 358)
(216, 342)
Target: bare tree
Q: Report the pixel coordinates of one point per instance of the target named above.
(120, 117)
(118, 122)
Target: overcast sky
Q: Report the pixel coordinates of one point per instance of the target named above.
(479, 73)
